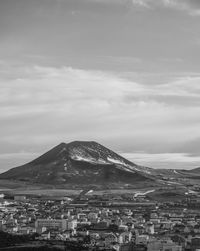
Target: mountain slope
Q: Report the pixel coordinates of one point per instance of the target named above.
(80, 162)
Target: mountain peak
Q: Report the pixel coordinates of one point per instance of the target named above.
(82, 143)
(62, 144)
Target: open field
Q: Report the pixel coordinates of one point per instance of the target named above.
(154, 193)
(16, 187)
(44, 192)
(164, 195)
(10, 184)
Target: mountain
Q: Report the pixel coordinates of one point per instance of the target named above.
(80, 162)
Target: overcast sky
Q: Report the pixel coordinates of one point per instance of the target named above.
(124, 73)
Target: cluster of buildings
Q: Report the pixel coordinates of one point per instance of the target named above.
(135, 226)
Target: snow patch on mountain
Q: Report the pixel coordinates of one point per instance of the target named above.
(95, 154)
(121, 165)
(116, 161)
(88, 159)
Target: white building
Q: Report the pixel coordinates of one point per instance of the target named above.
(51, 223)
(125, 237)
(60, 224)
(71, 224)
(20, 197)
(142, 239)
(1, 195)
(150, 228)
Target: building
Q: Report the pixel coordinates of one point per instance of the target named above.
(154, 245)
(71, 224)
(195, 243)
(20, 197)
(59, 224)
(171, 246)
(142, 239)
(150, 228)
(51, 224)
(1, 224)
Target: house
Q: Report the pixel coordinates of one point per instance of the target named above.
(171, 246)
(110, 238)
(154, 245)
(125, 237)
(45, 236)
(1, 224)
(41, 230)
(197, 229)
(93, 217)
(142, 239)
(150, 228)
(123, 228)
(195, 243)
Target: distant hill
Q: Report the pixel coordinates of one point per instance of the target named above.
(196, 170)
(80, 163)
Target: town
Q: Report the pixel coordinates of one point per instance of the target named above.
(123, 222)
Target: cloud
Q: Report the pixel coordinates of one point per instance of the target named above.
(42, 106)
(164, 160)
(108, 1)
(142, 3)
(191, 7)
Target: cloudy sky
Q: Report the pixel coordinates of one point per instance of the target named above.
(124, 73)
